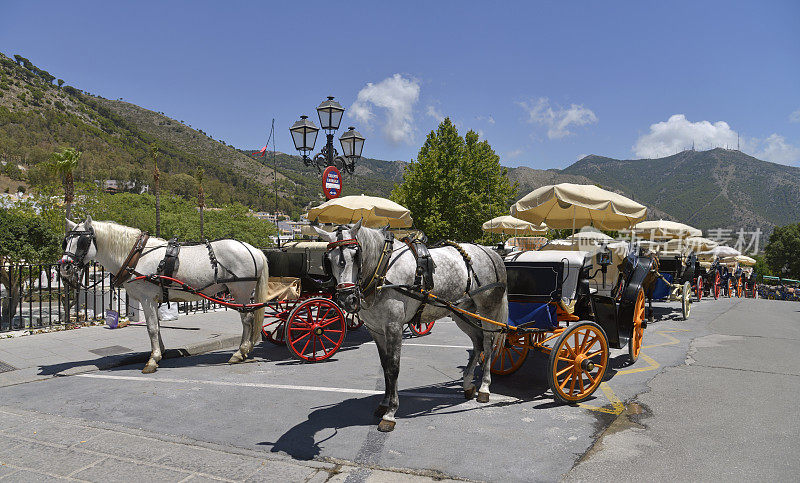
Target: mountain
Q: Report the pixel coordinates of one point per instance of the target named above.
(710, 189)
(38, 117)
(719, 188)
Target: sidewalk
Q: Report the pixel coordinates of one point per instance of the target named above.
(34, 357)
(39, 446)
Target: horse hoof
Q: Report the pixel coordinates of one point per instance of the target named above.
(386, 426)
(235, 358)
(149, 368)
(469, 393)
(483, 397)
(380, 411)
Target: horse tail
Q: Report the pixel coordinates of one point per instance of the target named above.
(261, 292)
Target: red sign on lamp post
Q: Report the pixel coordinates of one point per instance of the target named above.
(331, 182)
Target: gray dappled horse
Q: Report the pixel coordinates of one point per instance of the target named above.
(354, 252)
(111, 244)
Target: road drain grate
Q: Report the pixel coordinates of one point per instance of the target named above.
(112, 350)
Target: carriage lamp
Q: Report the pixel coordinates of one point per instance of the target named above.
(304, 134)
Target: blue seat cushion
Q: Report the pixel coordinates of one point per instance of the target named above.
(531, 314)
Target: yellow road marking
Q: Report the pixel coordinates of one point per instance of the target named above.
(617, 406)
(672, 340)
(653, 366)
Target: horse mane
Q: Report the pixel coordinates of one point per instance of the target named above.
(116, 240)
(371, 241)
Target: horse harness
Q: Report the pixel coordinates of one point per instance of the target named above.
(423, 285)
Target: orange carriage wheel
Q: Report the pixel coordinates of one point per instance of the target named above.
(635, 344)
(578, 362)
(730, 287)
(739, 289)
(509, 354)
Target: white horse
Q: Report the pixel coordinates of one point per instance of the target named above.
(354, 253)
(240, 268)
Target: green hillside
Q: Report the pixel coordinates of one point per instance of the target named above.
(39, 115)
(719, 188)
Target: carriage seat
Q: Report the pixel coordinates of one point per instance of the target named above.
(286, 264)
(573, 262)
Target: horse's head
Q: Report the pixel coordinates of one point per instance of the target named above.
(80, 247)
(343, 262)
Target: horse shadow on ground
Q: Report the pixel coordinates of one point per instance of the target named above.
(527, 386)
(663, 314)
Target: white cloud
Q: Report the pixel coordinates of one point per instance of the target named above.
(776, 149)
(558, 120)
(514, 154)
(795, 116)
(435, 113)
(397, 95)
(489, 119)
(678, 133)
(580, 156)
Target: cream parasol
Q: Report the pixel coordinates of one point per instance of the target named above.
(374, 211)
(656, 229)
(508, 225)
(566, 205)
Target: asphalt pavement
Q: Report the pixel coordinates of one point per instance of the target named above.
(710, 398)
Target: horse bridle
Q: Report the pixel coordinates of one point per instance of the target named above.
(85, 240)
(351, 243)
(78, 257)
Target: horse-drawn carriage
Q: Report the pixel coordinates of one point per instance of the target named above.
(552, 310)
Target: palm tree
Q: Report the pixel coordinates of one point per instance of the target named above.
(63, 163)
(201, 199)
(156, 177)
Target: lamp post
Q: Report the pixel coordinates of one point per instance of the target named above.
(304, 134)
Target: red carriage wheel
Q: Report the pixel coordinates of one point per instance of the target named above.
(274, 329)
(419, 329)
(315, 329)
(509, 354)
(578, 362)
(699, 288)
(730, 287)
(353, 321)
(716, 285)
(739, 289)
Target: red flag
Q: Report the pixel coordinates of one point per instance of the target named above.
(262, 152)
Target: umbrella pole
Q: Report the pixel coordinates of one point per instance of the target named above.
(573, 219)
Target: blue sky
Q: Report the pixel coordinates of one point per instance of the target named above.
(543, 82)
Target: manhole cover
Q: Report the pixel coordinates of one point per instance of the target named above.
(6, 367)
(111, 350)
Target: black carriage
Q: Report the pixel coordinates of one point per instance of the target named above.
(552, 310)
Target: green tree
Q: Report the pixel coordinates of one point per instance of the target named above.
(783, 250)
(63, 163)
(24, 238)
(454, 185)
(60, 82)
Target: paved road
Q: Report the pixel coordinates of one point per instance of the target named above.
(278, 411)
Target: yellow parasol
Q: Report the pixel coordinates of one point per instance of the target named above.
(374, 211)
(566, 205)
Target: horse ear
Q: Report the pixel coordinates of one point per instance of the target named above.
(385, 228)
(88, 223)
(354, 229)
(323, 234)
(71, 224)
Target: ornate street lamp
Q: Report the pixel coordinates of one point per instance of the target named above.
(304, 135)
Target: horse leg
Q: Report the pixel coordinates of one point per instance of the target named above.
(394, 338)
(380, 343)
(469, 370)
(151, 317)
(486, 380)
(241, 294)
(246, 344)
